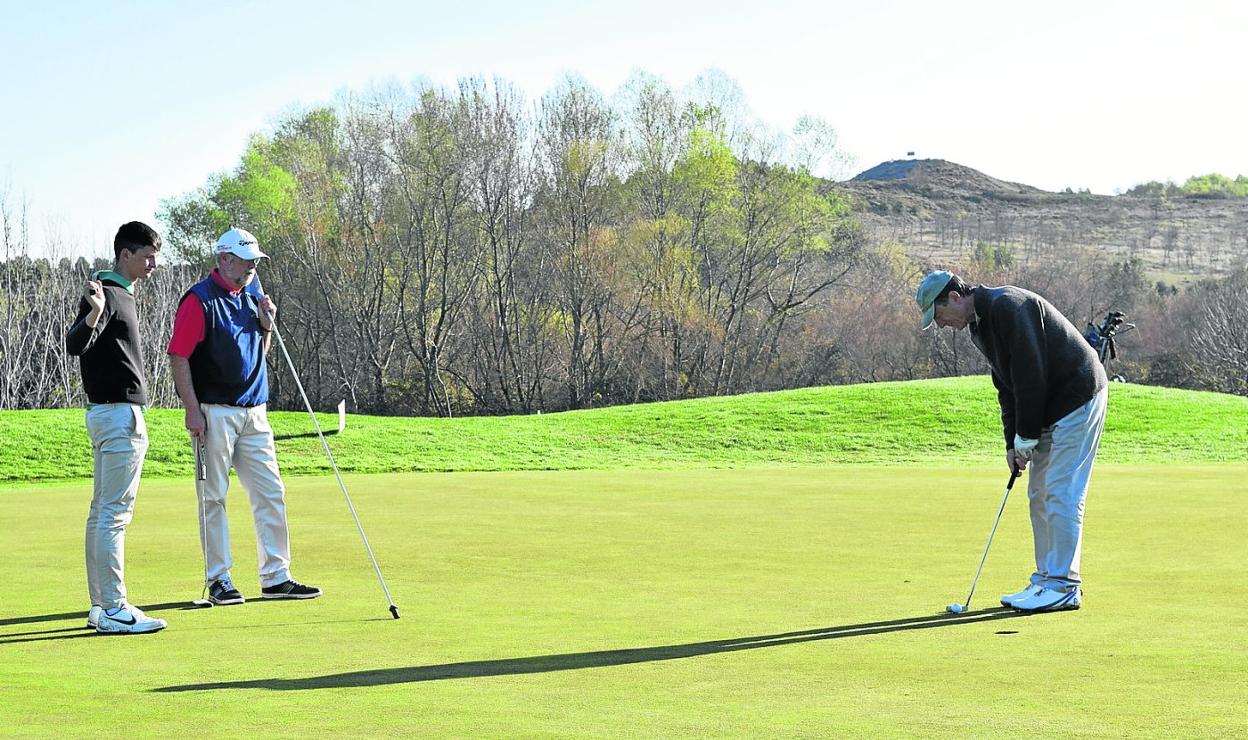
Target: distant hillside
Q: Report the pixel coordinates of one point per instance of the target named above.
(939, 176)
(946, 421)
(941, 210)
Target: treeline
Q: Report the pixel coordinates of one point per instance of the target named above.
(458, 251)
(448, 252)
(1201, 186)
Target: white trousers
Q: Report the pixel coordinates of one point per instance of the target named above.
(241, 438)
(119, 442)
(1061, 468)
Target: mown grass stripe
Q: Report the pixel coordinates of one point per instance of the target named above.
(951, 420)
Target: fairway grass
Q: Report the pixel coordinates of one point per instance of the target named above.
(794, 602)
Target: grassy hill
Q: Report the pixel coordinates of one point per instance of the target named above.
(948, 421)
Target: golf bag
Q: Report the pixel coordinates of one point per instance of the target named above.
(1102, 337)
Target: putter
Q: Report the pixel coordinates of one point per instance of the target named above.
(959, 608)
(201, 470)
(201, 475)
(394, 610)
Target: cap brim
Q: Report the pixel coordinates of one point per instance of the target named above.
(929, 317)
(248, 254)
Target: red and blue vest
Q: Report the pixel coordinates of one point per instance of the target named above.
(228, 366)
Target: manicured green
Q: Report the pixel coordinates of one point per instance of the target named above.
(765, 602)
(763, 565)
(953, 420)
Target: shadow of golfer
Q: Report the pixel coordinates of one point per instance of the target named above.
(597, 659)
(69, 633)
(72, 633)
(83, 615)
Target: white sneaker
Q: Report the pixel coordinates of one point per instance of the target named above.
(93, 616)
(1031, 590)
(1048, 600)
(128, 620)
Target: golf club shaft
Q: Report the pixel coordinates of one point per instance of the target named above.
(1000, 511)
(201, 470)
(201, 475)
(325, 444)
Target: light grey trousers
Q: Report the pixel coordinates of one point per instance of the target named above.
(1061, 468)
(240, 438)
(119, 442)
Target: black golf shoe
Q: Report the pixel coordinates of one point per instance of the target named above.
(290, 590)
(223, 593)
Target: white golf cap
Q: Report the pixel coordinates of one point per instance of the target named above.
(240, 243)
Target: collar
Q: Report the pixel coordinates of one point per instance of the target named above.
(224, 284)
(980, 298)
(115, 277)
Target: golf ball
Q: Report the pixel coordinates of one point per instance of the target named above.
(954, 608)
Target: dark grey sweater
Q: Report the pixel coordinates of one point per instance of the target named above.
(1042, 366)
(111, 353)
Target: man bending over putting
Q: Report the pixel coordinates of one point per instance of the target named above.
(1052, 390)
(217, 354)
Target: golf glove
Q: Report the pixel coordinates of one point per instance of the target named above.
(1024, 446)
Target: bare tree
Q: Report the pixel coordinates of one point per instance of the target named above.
(576, 154)
(1219, 335)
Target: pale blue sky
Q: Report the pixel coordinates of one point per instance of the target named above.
(109, 107)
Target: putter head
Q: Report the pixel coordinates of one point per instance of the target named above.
(394, 610)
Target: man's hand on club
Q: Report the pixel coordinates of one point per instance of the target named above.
(93, 292)
(268, 313)
(195, 423)
(1018, 457)
(1017, 461)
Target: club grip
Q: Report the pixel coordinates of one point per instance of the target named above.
(201, 469)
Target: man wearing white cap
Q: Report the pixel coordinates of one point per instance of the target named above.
(1052, 390)
(221, 335)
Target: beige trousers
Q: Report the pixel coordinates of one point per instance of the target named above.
(118, 435)
(241, 438)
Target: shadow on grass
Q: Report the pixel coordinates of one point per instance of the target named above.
(164, 606)
(83, 614)
(304, 435)
(597, 659)
(71, 633)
